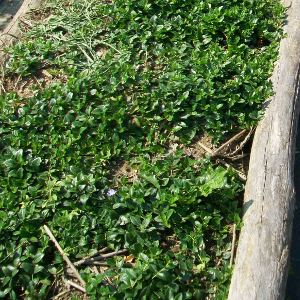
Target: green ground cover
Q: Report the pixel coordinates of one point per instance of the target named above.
(133, 79)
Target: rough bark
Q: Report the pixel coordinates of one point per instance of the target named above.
(262, 260)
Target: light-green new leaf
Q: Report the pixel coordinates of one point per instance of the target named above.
(150, 178)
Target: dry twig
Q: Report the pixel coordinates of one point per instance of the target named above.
(236, 137)
(243, 142)
(75, 285)
(99, 252)
(60, 294)
(104, 264)
(3, 88)
(47, 74)
(104, 282)
(38, 82)
(17, 82)
(26, 22)
(65, 257)
(208, 150)
(106, 279)
(95, 270)
(233, 158)
(90, 260)
(241, 175)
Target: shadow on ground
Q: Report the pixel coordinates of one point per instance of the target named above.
(8, 8)
(293, 284)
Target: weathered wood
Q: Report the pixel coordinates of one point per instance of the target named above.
(12, 32)
(262, 261)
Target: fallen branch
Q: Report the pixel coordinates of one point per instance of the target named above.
(17, 82)
(47, 74)
(232, 247)
(208, 150)
(236, 137)
(106, 279)
(89, 260)
(26, 22)
(104, 264)
(75, 285)
(233, 158)
(243, 142)
(65, 257)
(60, 294)
(99, 252)
(95, 270)
(104, 282)
(38, 82)
(241, 175)
(3, 88)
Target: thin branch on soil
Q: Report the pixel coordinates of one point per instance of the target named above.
(238, 156)
(104, 282)
(75, 285)
(95, 270)
(38, 82)
(89, 260)
(65, 257)
(104, 264)
(47, 74)
(61, 294)
(70, 273)
(26, 22)
(209, 151)
(243, 142)
(107, 280)
(99, 252)
(53, 287)
(17, 82)
(2, 73)
(232, 247)
(3, 88)
(236, 137)
(241, 175)
(23, 85)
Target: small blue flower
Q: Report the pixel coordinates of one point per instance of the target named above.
(111, 193)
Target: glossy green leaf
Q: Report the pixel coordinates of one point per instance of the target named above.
(28, 267)
(150, 178)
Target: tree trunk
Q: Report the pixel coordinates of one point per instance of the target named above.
(262, 260)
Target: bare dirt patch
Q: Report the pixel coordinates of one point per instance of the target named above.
(29, 86)
(124, 169)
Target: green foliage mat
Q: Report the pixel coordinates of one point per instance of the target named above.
(132, 77)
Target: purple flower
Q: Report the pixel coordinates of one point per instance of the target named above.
(111, 193)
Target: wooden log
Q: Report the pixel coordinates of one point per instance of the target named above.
(12, 32)
(262, 261)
